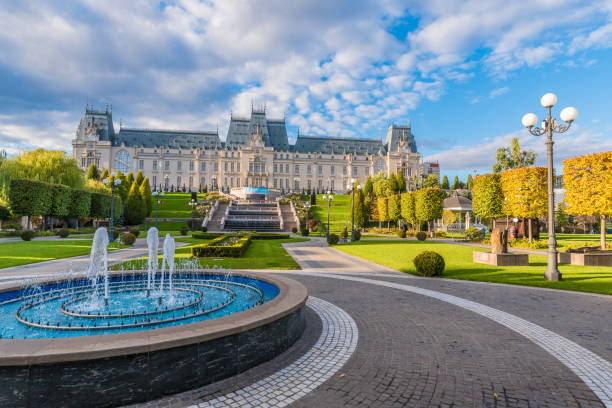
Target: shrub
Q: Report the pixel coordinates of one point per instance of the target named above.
(134, 211)
(60, 204)
(304, 231)
(63, 233)
(206, 235)
(440, 234)
(474, 234)
(184, 230)
(135, 231)
(13, 225)
(193, 223)
(204, 229)
(27, 235)
(312, 223)
(223, 246)
(30, 197)
(421, 236)
(80, 203)
(332, 239)
(100, 205)
(401, 233)
(357, 234)
(429, 263)
(115, 234)
(128, 238)
(294, 230)
(269, 235)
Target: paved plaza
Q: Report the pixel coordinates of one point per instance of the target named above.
(380, 338)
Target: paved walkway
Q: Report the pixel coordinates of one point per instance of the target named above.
(426, 342)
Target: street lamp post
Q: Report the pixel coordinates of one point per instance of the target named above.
(114, 182)
(328, 197)
(550, 126)
(192, 204)
(351, 187)
(157, 194)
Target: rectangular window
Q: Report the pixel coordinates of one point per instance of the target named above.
(275, 169)
(297, 169)
(297, 185)
(141, 164)
(309, 170)
(354, 171)
(320, 185)
(190, 182)
(216, 167)
(203, 166)
(167, 165)
(287, 184)
(344, 171)
(332, 170)
(287, 170)
(320, 170)
(332, 185)
(191, 166)
(154, 164)
(179, 166)
(309, 184)
(275, 183)
(232, 167)
(225, 167)
(154, 182)
(238, 168)
(178, 181)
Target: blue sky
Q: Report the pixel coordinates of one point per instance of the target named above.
(461, 72)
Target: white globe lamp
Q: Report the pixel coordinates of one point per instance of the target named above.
(530, 120)
(548, 100)
(569, 114)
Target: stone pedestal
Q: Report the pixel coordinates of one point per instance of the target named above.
(588, 259)
(501, 259)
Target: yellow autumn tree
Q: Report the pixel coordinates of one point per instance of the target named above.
(588, 184)
(525, 193)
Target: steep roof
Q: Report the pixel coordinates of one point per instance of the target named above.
(173, 139)
(337, 145)
(457, 203)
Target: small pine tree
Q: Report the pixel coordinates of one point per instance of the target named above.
(134, 212)
(401, 182)
(456, 184)
(129, 178)
(470, 182)
(445, 184)
(105, 174)
(392, 183)
(139, 178)
(92, 172)
(369, 187)
(147, 196)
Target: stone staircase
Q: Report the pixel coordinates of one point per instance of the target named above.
(214, 225)
(260, 216)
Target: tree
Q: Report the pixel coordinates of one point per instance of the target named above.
(105, 174)
(561, 216)
(445, 185)
(134, 212)
(415, 183)
(470, 182)
(147, 196)
(429, 205)
(361, 212)
(408, 208)
(383, 209)
(401, 182)
(92, 172)
(382, 187)
(122, 189)
(525, 193)
(30, 197)
(588, 180)
(369, 187)
(140, 178)
(448, 217)
(5, 213)
(129, 179)
(100, 205)
(60, 204)
(394, 208)
(456, 184)
(432, 180)
(80, 204)
(392, 181)
(512, 157)
(488, 197)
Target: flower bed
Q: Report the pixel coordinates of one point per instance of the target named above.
(225, 246)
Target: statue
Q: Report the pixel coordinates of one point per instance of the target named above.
(499, 241)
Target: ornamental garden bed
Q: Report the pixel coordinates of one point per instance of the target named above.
(224, 246)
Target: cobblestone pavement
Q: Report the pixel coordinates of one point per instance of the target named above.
(415, 350)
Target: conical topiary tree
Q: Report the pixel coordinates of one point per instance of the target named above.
(92, 172)
(145, 193)
(140, 178)
(134, 211)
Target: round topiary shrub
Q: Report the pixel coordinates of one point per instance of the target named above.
(401, 233)
(63, 233)
(135, 231)
(332, 239)
(27, 235)
(474, 234)
(421, 236)
(128, 238)
(429, 263)
(294, 230)
(184, 230)
(440, 234)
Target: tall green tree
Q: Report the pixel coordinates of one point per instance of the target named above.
(92, 172)
(382, 187)
(470, 182)
(129, 179)
(134, 211)
(445, 185)
(488, 197)
(394, 208)
(415, 185)
(456, 184)
(392, 181)
(513, 157)
(140, 178)
(401, 182)
(369, 187)
(361, 211)
(147, 196)
(432, 180)
(408, 208)
(105, 174)
(429, 205)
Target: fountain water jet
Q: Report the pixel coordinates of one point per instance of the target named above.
(153, 244)
(98, 261)
(167, 261)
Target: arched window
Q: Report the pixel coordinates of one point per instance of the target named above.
(122, 161)
(380, 166)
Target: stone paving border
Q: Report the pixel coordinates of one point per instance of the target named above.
(595, 371)
(332, 350)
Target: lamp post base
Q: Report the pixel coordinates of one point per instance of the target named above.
(552, 271)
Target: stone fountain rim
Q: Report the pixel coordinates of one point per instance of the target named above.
(24, 352)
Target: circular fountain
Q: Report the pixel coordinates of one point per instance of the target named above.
(107, 338)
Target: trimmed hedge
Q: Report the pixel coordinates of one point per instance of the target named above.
(421, 236)
(63, 233)
(269, 235)
(224, 246)
(80, 203)
(206, 235)
(27, 235)
(30, 197)
(429, 263)
(100, 205)
(60, 205)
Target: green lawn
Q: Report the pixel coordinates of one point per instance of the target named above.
(175, 205)
(261, 254)
(459, 265)
(339, 212)
(22, 253)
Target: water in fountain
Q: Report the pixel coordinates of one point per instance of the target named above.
(153, 244)
(98, 261)
(167, 262)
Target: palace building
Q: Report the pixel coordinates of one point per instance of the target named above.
(256, 153)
